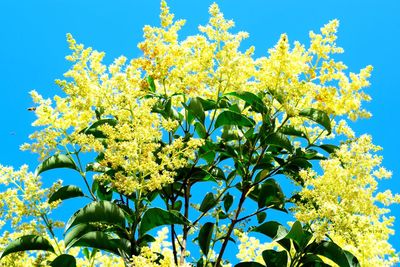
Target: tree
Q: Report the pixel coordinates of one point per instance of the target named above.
(149, 135)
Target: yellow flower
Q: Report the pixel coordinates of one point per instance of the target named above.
(343, 202)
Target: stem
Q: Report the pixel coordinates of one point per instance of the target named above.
(81, 172)
(50, 228)
(185, 227)
(173, 244)
(228, 186)
(173, 234)
(231, 227)
(254, 213)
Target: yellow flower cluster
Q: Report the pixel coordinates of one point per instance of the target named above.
(340, 202)
(115, 93)
(201, 65)
(292, 78)
(250, 248)
(22, 206)
(160, 246)
(343, 202)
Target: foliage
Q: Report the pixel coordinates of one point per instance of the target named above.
(148, 136)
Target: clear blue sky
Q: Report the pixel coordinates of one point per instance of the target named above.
(32, 50)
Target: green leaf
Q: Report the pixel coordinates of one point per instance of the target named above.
(228, 200)
(208, 202)
(252, 100)
(200, 129)
(152, 85)
(100, 240)
(66, 192)
(279, 140)
(275, 231)
(195, 107)
(229, 117)
(261, 216)
(318, 116)
(145, 240)
(297, 234)
(274, 258)
(353, 261)
(200, 263)
(291, 130)
(312, 260)
(156, 217)
(329, 148)
(200, 175)
(177, 205)
(85, 252)
(55, 162)
(93, 129)
(249, 264)
(103, 211)
(208, 104)
(27, 242)
(78, 231)
(102, 191)
(205, 235)
(333, 252)
(271, 194)
(222, 215)
(64, 260)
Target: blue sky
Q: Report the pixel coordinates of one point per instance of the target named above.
(32, 50)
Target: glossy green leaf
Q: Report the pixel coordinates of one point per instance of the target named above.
(271, 194)
(200, 129)
(78, 231)
(93, 129)
(200, 263)
(353, 261)
(208, 104)
(103, 211)
(152, 85)
(100, 240)
(333, 252)
(205, 235)
(329, 148)
(66, 192)
(64, 260)
(145, 240)
(229, 117)
(200, 175)
(155, 217)
(275, 258)
(196, 108)
(312, 260)
(208, 202)
(299, 236)
(228, 200)
(222, 215)
(261, 216)
(177, 205)
(279, 140)
(291, 130)
(249, 264)
(85, 252)
(27, 242)
(252, 100)
(318, 116)
(55, 162)
(103, 192)
(275, 231)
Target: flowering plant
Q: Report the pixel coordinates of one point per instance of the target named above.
(148, 135)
